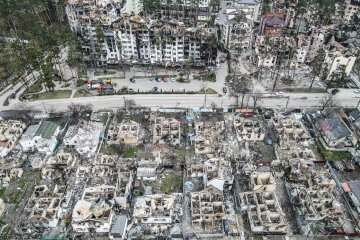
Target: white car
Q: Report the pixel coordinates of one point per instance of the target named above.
(173, 79)
(279, 94)
(357, 91)
(182, 90)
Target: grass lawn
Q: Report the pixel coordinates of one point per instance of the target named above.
(154, 76)
(211, 77)
(82, 93)
(108, 72)
(34, 88)
(182, 80)
(304, 90)
(53, 95)
(171, 183)
(332, 155)
(130, 152)
(207, 91)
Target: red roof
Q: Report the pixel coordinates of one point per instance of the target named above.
(346, 187)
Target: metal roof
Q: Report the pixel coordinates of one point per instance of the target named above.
(46, 129)
(333, 127)
(355, 188)
(120, 223)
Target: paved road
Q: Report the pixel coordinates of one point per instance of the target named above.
(345, 98)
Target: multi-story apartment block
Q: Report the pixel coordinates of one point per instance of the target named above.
(251, 8)
(352, 7)
(186, 11)
(129, 38)
(236, 33)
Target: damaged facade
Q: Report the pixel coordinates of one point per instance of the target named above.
(127, 132)
(166, 131)
(131, 37)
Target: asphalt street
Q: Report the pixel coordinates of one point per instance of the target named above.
(345, 98)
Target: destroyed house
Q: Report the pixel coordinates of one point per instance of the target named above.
(10, 133)
(264, 212)
(166, 131)
(207, 209)
(273, 24)
(58, 167)
(334, 131)
(84, 137)
(218, 173)
(158, 209)
(127, 132)
(208, 135)
(248, 130)
(44, 206)
(93, 212)
(41, 137)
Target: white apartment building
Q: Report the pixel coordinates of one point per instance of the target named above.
(299, 57)
(132, 6)
(133, 39)
(336, 59)
(352, 7)
(266, 60)
(251, 8)
(233, 32)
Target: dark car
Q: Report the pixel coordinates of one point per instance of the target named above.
(123, 89)
(224, 90)
(155, 89)
(164, 79)
(157, 79)
(132, 80)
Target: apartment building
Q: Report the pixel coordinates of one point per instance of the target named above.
(251, 8)
(352, 7)
(235, 33)
(132, 39)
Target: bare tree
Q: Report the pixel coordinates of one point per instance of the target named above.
(256, 97)
(23, 106)
(328, 103)
(240, 87)
(213, 105)
(76, 109)
(129, 104)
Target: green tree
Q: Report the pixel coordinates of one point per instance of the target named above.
(151, 6)
(317, 65)
(99, 33)
(47, 74)
(187, 67)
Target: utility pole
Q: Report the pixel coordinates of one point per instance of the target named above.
(44, 106)
(124, 103)
(287, 102)
(205, 101)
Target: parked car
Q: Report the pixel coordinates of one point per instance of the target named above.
(155, 89)
(279, 94)
(130, 90)
(224, 90)
(164, 79)
(182, 90)
(173, 79)
(132, 80)
(247, 115)
(123, 89)
(357, 91)
(157, 79)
